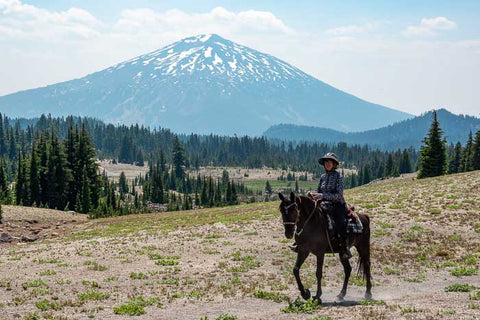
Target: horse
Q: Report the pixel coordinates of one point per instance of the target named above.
(304, 219)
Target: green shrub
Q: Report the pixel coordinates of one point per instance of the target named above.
(459, 288)
(462, 271)
(129, 309)
(371, 302)
(226, 317)
(274, 296)
(46, 305)
(93, 295)
(300, 306)
(135, 307)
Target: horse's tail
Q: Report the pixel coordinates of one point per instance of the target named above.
(364, 248)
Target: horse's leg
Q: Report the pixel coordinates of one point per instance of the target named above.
(301, 256)
(320, 258)
(347, 268)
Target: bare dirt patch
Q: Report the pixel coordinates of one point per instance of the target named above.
(205, 263)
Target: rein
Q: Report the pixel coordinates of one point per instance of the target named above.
(298, 233)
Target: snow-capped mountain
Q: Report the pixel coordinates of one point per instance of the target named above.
(204, 84)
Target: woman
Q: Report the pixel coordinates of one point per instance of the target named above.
(330, 193)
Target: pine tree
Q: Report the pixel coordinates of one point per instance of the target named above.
(366, 174)
(85, 204)
(433, 156)
(122, 184)
(234, 194)
(43, 169)
(34, 181)
(20, 182)
(228, 193)
(3, 146)
(218, 194)
(476, 152)
(466, 162)
(3, 183)
(454, 165)
(389, 166)
(57, 174)
(126, 152)
(73, 166)
(178, 157)
(268, 188)
(211, 192)
(405, 165)
(86, 158)
(204, 195)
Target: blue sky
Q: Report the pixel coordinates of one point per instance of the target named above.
(409, 55)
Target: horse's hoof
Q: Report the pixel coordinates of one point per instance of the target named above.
(368, 296)
(340, 298)
(306, 294)
(319, 301)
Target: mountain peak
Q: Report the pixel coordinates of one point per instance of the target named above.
(212, 57)
(204, 38)
(204, 84)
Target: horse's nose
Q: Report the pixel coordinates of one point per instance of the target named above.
(288, 235)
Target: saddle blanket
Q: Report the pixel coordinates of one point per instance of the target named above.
(353, 225)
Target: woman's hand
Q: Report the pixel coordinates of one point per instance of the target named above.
(314, 195)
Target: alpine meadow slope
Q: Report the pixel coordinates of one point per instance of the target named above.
(235, 260)
(204, 84)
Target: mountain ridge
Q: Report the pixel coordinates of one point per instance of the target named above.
(203, 84)
(403, 134)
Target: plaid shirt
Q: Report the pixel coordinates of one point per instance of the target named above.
(331, 187)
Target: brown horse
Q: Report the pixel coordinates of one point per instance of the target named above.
(302, 218)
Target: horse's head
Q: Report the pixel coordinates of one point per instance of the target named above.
(289, 210)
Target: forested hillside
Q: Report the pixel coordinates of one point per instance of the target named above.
(404, 134)
(135, 144)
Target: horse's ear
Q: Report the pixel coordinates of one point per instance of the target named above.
(281, 196)
(292, 196)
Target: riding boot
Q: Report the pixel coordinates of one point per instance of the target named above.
(344, 250)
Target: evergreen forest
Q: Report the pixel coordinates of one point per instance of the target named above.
(51, 162)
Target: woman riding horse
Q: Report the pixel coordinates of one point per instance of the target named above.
(330, 197)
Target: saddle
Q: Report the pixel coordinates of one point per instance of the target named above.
(354, 224)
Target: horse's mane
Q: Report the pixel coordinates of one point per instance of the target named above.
(308, 204)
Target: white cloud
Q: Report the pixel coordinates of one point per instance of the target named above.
(219, 18)
(430, 27)
(25, 21)
(350, 30)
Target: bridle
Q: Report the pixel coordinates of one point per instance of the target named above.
(286, 208)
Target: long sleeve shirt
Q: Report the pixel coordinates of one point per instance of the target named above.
(331, 187)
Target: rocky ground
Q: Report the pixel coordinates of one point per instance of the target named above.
(234, 263)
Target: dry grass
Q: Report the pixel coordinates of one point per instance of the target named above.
(235, 261)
